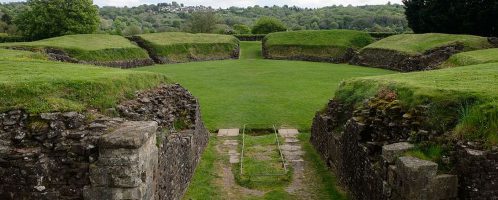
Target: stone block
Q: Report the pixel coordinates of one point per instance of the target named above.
(444, 187)
(228, 132)
(393, 151)
(414, 176)
(288, 132)
(130, 135)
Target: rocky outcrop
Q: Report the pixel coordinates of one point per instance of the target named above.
(149, 150)
(399, 61)
(366, 145)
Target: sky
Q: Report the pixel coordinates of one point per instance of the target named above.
(241, 3)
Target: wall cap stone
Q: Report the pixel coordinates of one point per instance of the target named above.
(131, 135)
(392, 151)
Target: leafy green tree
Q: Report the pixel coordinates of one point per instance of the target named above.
(477, 17)
(242, 29)
(51, 18)
(266, 25)
(202, 22)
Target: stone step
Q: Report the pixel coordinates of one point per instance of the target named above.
(231, 142)
(288, 132)
(291, 140)
(228, 132)
(289, 147)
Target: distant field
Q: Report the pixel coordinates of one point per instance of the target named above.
(257, 91)
(89, 47)
(468, 94)
(173, 47)
(29, 82)
(419, 43)
(330, 45)
(472, 58)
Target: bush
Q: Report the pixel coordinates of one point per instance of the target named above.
(267, 25)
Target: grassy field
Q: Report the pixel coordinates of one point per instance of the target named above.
(169, 38)
(257, 91)
(472, 58)
(419, 43)
(316, 45)
(29, 82)
(89, 47)
(468, 94)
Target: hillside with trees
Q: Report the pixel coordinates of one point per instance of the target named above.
(168, 17)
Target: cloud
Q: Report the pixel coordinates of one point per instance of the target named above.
(241, 3)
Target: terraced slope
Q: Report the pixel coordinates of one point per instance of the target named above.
(98, 49)
(184, 47)
(29, 82)
(335, 46)
(472, 58)
(414, 52)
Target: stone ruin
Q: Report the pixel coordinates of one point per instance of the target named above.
(148, 151)
(365, 147)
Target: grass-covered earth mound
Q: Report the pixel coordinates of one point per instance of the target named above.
(100, 49)
(472, 58)
(30, 82)
(414, 52)
(329, 46)
(174, 47)
(462, 102)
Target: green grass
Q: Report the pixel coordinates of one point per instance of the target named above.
(257, 91)
(472, 58)
(202, 184)
(465, 94)
(261, 157)
(414, 44)
(314, 44)
(42, 86)
(89, 47)
(184, 47)
(14, 55)
(326, 179)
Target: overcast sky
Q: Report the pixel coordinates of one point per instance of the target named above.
(242, 3)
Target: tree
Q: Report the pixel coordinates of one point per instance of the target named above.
(450, 16)
(202, 22)
(242, 29)
(266, 25)
(51, 18)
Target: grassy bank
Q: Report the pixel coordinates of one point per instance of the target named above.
(88, 47)
(472, 58)
(467, 95)
(31, 83)
(414, 44)
(317, 45)
(184, 47)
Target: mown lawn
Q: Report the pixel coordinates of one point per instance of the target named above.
(256, 91)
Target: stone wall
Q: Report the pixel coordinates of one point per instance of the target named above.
(365, 146)
(149, 151)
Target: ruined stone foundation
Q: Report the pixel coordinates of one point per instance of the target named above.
(366, 149)
(148, 151)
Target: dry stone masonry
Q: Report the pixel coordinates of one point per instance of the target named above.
(367, 148)
(149, 151)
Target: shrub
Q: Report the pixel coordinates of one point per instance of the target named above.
(267, 25)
